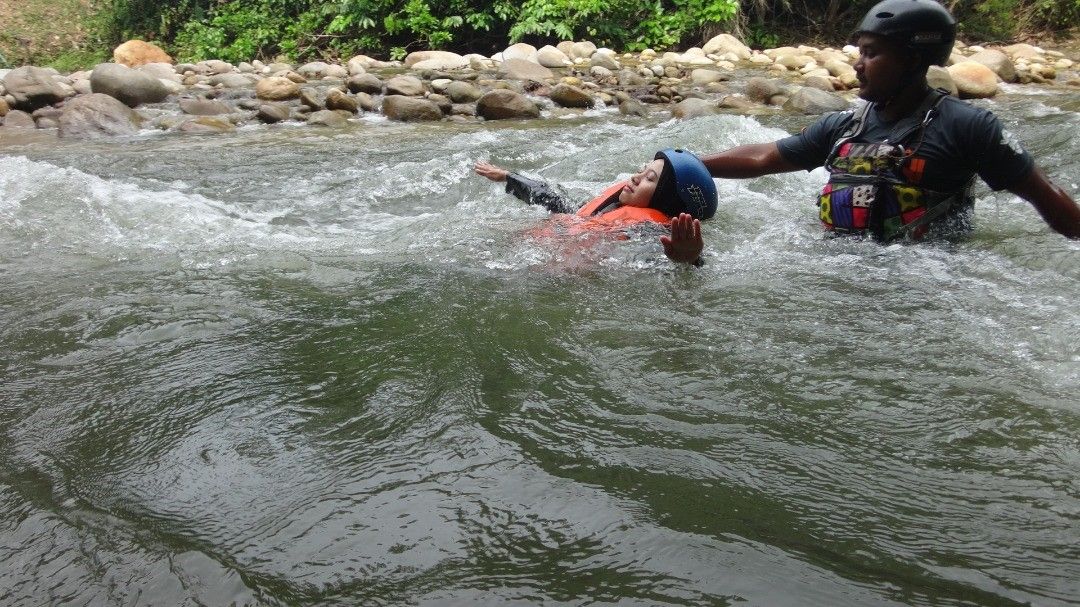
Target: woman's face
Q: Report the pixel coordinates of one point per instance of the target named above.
(639, 189)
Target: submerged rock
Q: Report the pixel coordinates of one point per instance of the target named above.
(271, 113)
(203, 107)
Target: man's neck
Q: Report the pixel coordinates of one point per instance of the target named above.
(904, 103)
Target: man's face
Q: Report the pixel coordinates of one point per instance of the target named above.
(881, 67)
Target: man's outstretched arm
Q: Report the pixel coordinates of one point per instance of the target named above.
(752, 160)
(1057, 208)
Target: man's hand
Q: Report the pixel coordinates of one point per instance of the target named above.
(685, 243)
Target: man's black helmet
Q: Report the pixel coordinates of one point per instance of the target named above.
(922, 25)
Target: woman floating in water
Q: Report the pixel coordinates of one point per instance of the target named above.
(674, 188)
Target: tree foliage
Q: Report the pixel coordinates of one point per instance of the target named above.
(237, 30)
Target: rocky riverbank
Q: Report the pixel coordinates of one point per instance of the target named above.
(144, 88)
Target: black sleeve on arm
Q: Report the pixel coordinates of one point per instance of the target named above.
(809, 149)
(1002, 161)
(537, 192)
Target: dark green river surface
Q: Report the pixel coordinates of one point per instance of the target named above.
(292, 366)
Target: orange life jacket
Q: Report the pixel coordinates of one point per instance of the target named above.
(619, 217)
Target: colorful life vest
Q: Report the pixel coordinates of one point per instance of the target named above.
(873, 187)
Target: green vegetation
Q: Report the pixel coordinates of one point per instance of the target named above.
(237, 30)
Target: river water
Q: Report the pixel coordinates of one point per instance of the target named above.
(290, 366)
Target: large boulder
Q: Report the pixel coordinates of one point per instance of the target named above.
(726, 43)
(997, 61)
(522, 51)
(1023, 51)
(34, 87)
(462, 92)
(571, 96)
(549, 56)
(365, 83)
(410, 86)
(501, 104)
(410, 109)
(808, 100)
(129, 86)
(277, 88)
(435, 60)
(134, 53)
(582, 50)
(520, 69)
(974, 80)
(98, 115)
(337, 100)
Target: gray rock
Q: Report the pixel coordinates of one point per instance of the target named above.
(520, 51)
(502, 104)
(203, 107)
(410, 109)
(582, 50)
(808, 100)
(693, 107)
(705, 76)
(33, 87)
(18, 119)
(463, 109)
(367, 102)
(549, 56)
(571, 96)
(272, 112)
(736, 102)
(821, 83)
(161, 71)
(462, 92)
(726, 43)
(604, 60)
(365, 83)
(330, 118)
(132, 87)
(213, 66)
(98, 115)
(632, 107)
(315, 69)
(312, 98)
(762, 89)
(230, 81)
(520, 69)
(409, 86)
(337, 100)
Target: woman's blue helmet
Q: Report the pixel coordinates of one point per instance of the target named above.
(685, 186)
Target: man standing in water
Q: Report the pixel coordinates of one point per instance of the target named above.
(902, 165)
